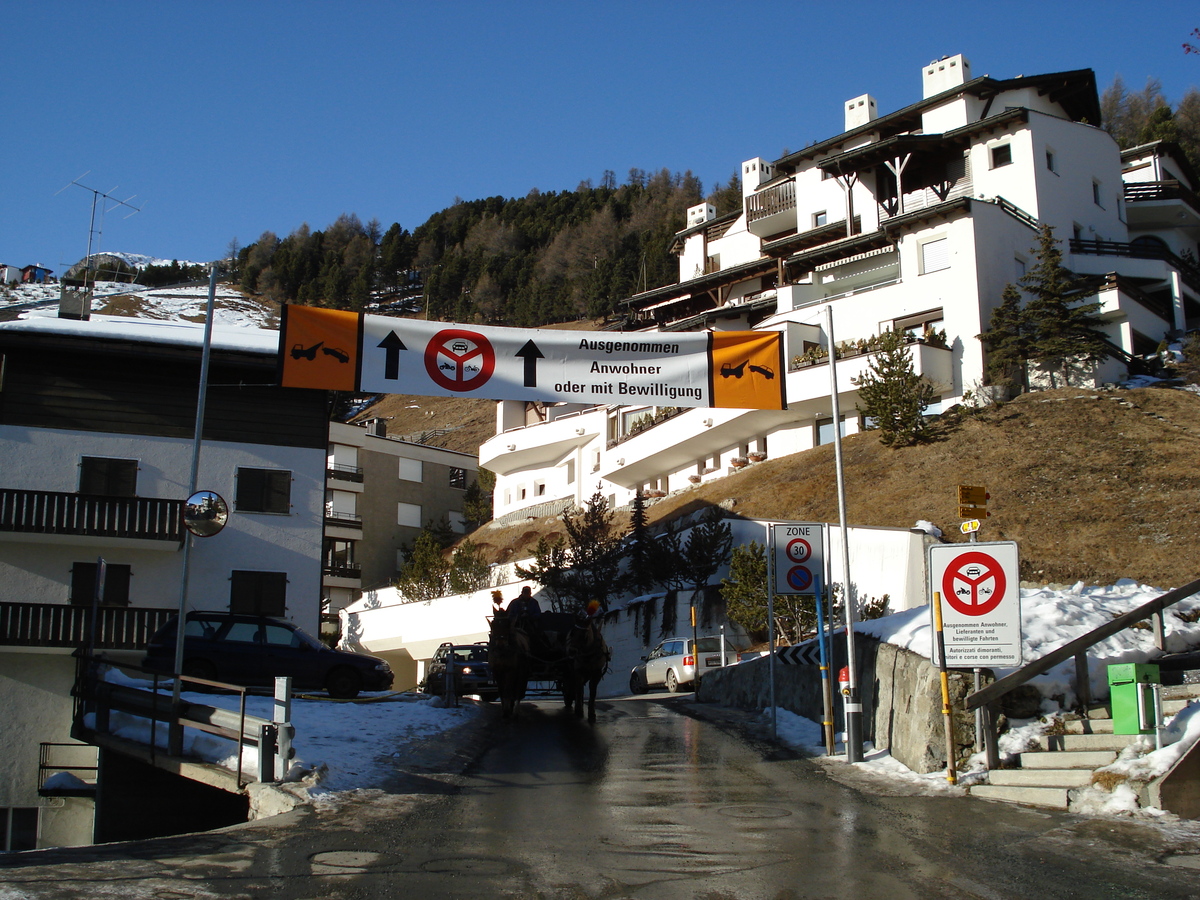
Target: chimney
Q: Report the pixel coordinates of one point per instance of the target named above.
(945, 73)
(860, 111)
(755, 173)
(698, 215)
(377, 427)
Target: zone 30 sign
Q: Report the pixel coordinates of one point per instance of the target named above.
(335, 350)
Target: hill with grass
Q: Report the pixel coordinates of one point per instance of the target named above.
(1093, 485)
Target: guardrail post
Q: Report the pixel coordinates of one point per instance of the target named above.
(991, 743)
(282, 717)
(266, 752)
(1160, 630)
(449, 696)
(1083, 682)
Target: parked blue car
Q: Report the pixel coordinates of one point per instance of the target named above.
(253, 650)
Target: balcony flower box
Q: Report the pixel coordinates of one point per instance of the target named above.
(695, 479)
(739, 462)
(756, 456)
(656, 494)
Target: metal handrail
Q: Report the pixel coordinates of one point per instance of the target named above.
(986, 698)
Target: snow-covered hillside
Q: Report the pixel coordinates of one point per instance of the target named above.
(233, 307)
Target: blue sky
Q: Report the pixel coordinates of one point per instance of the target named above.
(227, 119)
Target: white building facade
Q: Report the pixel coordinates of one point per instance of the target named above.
(913, 221)
(96, 432)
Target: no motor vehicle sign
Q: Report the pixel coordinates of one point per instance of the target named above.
(981, 602)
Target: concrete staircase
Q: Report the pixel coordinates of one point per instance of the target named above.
(1066, 761)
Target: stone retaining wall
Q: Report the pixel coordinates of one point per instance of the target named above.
(901, 697)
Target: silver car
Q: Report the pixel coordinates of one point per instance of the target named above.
(671, 663)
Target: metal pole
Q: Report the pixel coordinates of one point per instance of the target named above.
(853, 699)
(201, 399)
(947, 718)
(771, 630)
(826, 684)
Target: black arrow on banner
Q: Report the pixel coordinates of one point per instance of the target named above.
(531, 354)
(391, 363)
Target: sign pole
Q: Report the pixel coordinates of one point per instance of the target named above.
(826, 684)
(951, 773)
(853, 699)
(771, 636)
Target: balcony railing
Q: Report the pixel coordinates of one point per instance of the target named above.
(777, 199)
(342, 570)
(52, 512)
(1161, 190)
(62, 625)
(343, 519)
(1190, 272)
(340, 472)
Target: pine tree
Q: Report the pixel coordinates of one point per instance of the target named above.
(893, 395)
(640, 576)
(584, 566)
(1007, 343)
(425, 571)
(1061, 330)
(745, 590)
(469, 570)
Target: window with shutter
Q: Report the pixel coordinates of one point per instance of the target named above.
(935, 255)
(116, 584)
(263, 490)
(258, 593)
(102, 476)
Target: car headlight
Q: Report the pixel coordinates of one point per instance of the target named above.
(466, 670)
(383, 667)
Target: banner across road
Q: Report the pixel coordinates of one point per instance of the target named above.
(336, 350)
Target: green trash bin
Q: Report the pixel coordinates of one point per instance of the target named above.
(1131, 688)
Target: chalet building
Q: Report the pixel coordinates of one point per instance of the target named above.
(96, 431)
(380, 492)
(914, 221)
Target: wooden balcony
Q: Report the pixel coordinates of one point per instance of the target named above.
(63, 625)
(64, 518)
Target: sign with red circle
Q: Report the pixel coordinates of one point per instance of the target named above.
(798, 550)
(974, 584)
(460, 360)
(799, 579)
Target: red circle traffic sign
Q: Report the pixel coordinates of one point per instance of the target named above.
(799, 578)
(460, 360)
(798, 550)
(974, 583)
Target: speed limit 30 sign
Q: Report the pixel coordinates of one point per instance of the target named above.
(981, 602)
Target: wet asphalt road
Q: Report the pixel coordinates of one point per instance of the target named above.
(649, 803)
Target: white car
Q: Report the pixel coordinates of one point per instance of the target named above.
(671, 663)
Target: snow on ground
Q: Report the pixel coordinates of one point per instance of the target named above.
(340, 745)
(173, 304)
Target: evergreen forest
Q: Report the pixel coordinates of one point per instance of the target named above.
(543, 258)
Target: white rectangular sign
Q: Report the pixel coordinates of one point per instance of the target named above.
(981, 602)
(337, 350)
(798, 553)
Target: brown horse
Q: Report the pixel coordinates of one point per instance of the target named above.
(508, 656)
(587, 659)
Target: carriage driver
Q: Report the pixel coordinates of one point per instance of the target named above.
(525, 604)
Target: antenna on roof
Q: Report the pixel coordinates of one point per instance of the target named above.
(97, 197)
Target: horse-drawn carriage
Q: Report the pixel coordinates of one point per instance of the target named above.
(562, 648)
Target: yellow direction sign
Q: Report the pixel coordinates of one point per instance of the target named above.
(335, 350)
(969, 527)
